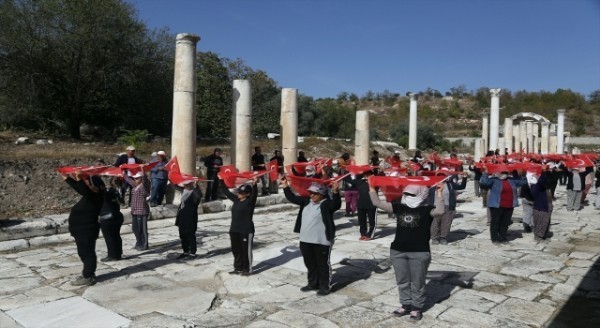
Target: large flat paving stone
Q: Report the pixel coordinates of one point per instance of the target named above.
(529, 313)
(143, 295)
(68, 312)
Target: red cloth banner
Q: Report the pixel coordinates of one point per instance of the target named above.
(438, 172)
(178, 178)
(300, 184)
(359, 169)
(453, 163)
(392, 187)
(135, 168)
(235, 179)
(173, 165)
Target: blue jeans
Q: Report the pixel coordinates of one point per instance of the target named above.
(157, 191)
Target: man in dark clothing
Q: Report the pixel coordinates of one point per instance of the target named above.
(241, 231)
(274, 185)
(187, 217)
(365, 207)
(83, 223)
(258, 165)
(477, 172)
(213, 164)
(301, 157)
(127, 158)
(159, 176)
(317, 232)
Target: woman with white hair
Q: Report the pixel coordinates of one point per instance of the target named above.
(410, 253)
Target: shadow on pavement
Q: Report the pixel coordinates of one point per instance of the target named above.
(288, 253)
(441, 284)
(356, 269)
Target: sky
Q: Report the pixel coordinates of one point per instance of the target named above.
(326, 47)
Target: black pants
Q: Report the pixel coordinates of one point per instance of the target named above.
(241, 247)
(501, 219)
(316, 259)
(111, 231)
(553, 187)
(188, 240)
(86, 249)
(212, 187)
(362, 221)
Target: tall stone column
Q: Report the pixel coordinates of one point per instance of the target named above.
(560, 131)
(241, 125)
(361, 140)
(412, 123)
(494, 118)
(517, 138)
(289, 125)
(553, 144)
(478, 151)
(508, 134)
(544, 141)
(529, 129)
(485, 131)
(536, 137)
(183, 132)
(523, 135)
(501, 145)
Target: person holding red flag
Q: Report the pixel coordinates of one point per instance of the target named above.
(127, 158)
(575, 185)
(275, 161)
(502, 200)
(241, 231)
(410, 253)
(213, 165)
(315, 225)
(139, 208)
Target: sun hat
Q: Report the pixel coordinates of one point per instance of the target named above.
(318, 188)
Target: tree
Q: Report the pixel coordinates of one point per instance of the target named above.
(213, 96)
(71, 61)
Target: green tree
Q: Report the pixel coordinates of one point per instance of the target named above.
(70, 62)
(213, 96)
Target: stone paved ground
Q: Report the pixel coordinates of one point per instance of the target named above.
(471, 283)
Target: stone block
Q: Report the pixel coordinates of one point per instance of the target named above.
(299, 319)
(13, 245)
(528, 313)
(213, 207)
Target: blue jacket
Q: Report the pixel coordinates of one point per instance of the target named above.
(495, 186)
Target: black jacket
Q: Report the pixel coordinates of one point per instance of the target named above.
(187, 214)
(84, 214)
(122, 159)
(241, 211)
(581, 175)
(328, 207)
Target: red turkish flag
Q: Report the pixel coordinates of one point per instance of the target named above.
(438, 172)
(434, 157)
(359, 169)
(555, 157)
(135, 168)
(273, 170)
(392, 187)
(300, 184)
(112, 172)
(173, 165)
(234, 179)
(454, 163)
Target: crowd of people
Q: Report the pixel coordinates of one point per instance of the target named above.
(421, 195)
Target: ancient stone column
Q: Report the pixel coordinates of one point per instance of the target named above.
(241, 125)
(552, 146)
(501, 145)
(289, 125)
(517, 138)
(544, 141)
(183, 132)
(523, 135)
(529, 134)
(412, 123)
(494, 118)
(478, 151)
(484, 131)
(560, 131)
(361, 140)
(536, 137)
(508, 134)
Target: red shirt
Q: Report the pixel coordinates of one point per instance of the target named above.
(506, 196)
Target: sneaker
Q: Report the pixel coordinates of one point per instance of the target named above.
(416, 315)
(192, 256)
(308, 288)
(402, 311)
(323, 292)
(235, 272)
(109, 259)
(83, 281)
(435, 242)
(443, 241)
(246, 273)
(183, 255)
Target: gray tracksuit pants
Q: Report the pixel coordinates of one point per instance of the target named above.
(411, 270)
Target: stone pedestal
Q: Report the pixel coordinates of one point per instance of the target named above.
(183, 132)
(494, 118)
(412, 123)
(544, 142)
(361, 140)
(241, 125)
(289, 125)
(560, 131)
(508, 134)
(485, 131)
